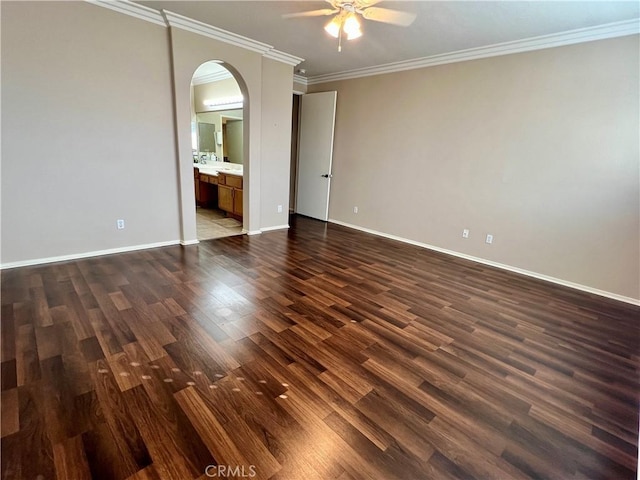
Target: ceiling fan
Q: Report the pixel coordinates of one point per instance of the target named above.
(346, 17)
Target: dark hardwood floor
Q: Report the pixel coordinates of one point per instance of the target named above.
(320, 352)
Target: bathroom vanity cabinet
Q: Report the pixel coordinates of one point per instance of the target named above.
(230, 194)
(223, 190)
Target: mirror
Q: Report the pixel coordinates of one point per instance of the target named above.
(220, 133)
(207, 137)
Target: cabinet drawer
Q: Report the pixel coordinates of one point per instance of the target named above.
(234, 181)
(208, 178)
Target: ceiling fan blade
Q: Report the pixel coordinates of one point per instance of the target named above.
(311, 13)
(362, 4)
(386, 15)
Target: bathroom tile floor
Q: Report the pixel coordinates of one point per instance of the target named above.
(212, 223)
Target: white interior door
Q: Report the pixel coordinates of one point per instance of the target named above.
(315, 154)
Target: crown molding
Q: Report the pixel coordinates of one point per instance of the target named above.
(581, 35)
(132, 9)
(178, 21)
(300, 79)
(283, 57)
(189, 24)
(170, 19)
(211, 77)
(166, 18)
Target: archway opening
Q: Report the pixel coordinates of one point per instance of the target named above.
(219, 150)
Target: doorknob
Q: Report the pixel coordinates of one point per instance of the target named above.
(327, 175)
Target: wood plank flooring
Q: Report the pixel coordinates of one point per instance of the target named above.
(316, 353)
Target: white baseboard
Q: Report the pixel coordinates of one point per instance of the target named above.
(558, 281)
(185, 243)
(276, 227)
(252, 232)
(78, 256)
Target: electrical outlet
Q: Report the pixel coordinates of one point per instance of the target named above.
(279, 208)
(489, 239)
(120, 224)
(355, 209)
(465, 233)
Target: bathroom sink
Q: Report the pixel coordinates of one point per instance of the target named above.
(213, 169)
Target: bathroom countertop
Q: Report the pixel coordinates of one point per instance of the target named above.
(213, 169)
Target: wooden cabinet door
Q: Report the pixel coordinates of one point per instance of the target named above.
(196, 184)
(225, 198)
(237, 202)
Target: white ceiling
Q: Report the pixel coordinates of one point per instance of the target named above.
(440, 27)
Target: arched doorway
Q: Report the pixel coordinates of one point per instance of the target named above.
(218, 150)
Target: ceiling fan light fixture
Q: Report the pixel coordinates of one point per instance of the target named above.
(348, 14)
(352, 26)
(333, 27)
(354, 35)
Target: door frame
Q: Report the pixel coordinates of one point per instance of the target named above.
(330, 169)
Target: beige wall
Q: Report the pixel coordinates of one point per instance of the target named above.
(539, 149)
(233, 145)
(212, 91)
(276, 142)
(87, 131)
(115, 143)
